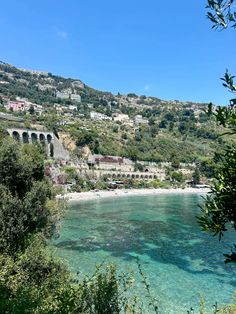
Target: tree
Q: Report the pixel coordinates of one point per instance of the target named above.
(124, 136)
(154, 130)
(71, 174)
(52, 123)
(219, 209)
(28, 215)
(132, 95)
(151, 121)
(31, 109)
(24, 196)
(3, 134)
(221, 13)
(138, 167)
(163, 124)
(175, 162)
(32, 280)
(208, 167)
(51, 149)
(177, 176)
(132, 153)
(169, 116)
(196, 176)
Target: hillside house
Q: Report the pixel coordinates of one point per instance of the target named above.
(75, 97)
(110, 163)
(16, 106)
(99, 116)
(73, 108)
(62, 95)
(67, 94)
(120, 117)
(138, 119)
(38, 109)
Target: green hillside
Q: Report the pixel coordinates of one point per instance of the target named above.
(173, 131)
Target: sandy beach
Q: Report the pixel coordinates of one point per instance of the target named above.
(95, 195)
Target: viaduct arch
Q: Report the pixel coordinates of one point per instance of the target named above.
(29, 136)
(129, 175)
(47, 139)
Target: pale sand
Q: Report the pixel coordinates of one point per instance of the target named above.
(92, 195)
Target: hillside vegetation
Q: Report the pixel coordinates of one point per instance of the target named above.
(171, 131)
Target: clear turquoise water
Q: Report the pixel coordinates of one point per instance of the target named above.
(180, 261)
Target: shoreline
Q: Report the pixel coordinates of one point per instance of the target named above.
(104, 194)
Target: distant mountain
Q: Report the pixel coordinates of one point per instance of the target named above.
(44, 88)
(138, 127)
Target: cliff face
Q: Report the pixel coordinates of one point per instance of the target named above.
(59, 151)
(67, 141)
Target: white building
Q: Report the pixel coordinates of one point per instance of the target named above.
(59, 108)
(120, 117)
(123, 118)
(38, 109)
(67, 94)
(62, 95)
(99, 116)
(75, 97)
(138, 119)
(71, 107)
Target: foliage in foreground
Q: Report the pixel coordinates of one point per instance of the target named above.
(32, 280)
(35, 282)
(26, 198)
(219, 211)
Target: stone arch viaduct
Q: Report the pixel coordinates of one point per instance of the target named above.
(119, 175)
(45, 137)
(31, 136)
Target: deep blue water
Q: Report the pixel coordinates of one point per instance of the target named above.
(181, 262)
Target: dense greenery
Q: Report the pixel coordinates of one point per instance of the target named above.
(24, 199)
(32, 280)
(173, 128)
(219, 210)
(151, 143)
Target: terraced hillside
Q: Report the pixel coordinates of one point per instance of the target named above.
(153, 129)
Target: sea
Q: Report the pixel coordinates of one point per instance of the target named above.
(181, 263)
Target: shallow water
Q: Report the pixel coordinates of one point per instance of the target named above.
(181, 262)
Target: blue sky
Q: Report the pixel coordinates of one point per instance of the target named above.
(154, 47)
